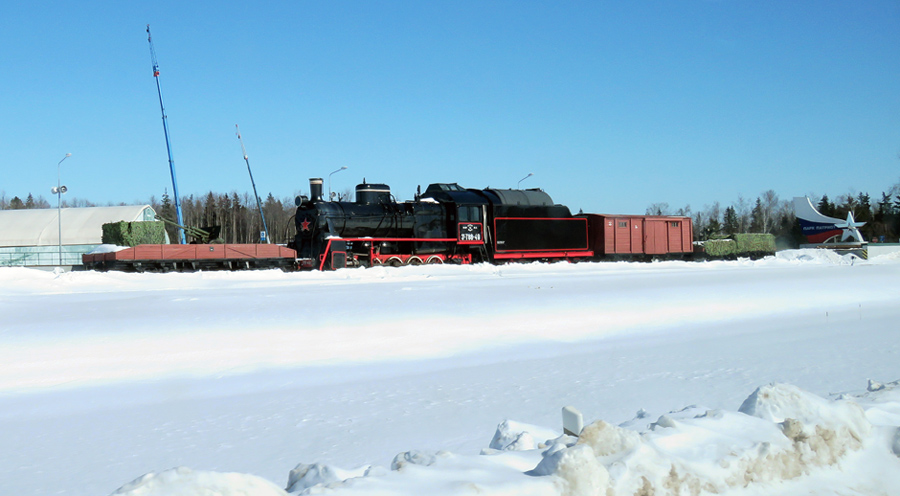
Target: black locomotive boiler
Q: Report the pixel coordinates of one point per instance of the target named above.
(445, 224)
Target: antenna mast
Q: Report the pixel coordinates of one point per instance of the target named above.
(162, 108)
(247, 159)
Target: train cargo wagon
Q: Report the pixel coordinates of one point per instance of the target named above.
(639, 235)
(668, 235)
(163, 258)
(615, 234)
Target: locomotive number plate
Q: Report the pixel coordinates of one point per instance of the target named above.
(470, 233)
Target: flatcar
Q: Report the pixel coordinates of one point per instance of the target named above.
(192, 257)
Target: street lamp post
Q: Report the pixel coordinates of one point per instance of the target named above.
(524, 178)
(59, 190)
(329, 180)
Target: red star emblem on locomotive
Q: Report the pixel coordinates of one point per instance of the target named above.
(305, 225)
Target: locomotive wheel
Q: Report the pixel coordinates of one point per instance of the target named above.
(434, 259)
(414, 261)
(395, 262)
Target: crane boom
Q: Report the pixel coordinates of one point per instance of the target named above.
(162, 109)
(247, 159)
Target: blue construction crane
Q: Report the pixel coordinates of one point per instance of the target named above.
(162, 108)
(255, 194)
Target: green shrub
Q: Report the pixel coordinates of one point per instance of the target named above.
(755, 243)
(740, 245)
(133, 233)
(720, 247)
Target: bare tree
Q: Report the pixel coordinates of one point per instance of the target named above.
(742, 209)
(660, 208)
(769, 202)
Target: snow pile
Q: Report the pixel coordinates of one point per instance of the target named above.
(886, 258)
(305, 476)
(780, 433)
(186, 482)
(518, 436)
(816, 255)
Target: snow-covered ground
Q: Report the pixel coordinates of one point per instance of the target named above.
(741, 378)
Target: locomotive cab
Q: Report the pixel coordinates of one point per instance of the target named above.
(466, 216)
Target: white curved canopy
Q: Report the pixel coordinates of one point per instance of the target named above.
(80, 226)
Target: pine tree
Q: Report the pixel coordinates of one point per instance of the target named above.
(29, 202)
(884, 206)
(863, 210)
(166, 204)
(16, 203)
(225, 218)
(209, 210)
(825, 207)
(730, 223)
(756, 217)
(167, 211)
(713, 228)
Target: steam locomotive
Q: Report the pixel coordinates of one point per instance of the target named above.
(445, 224)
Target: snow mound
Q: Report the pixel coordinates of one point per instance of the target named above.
(816, 256)
(886, 258)
(780, 433)
(517, 436)
(183, 481)
(306, 476)
(578, 467)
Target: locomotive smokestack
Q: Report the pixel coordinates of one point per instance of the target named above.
(315, 189)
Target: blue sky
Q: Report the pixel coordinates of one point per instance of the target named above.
(612, 105)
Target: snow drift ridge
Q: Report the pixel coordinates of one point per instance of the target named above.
(779, 433)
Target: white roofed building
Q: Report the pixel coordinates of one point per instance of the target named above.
(31, 237)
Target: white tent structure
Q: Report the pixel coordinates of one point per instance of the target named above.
(32, 236)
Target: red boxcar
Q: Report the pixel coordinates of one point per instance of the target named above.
(638, 235)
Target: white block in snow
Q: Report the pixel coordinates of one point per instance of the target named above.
(573, 421)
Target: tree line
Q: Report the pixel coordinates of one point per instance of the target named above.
(769, 214)
(237, 216)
